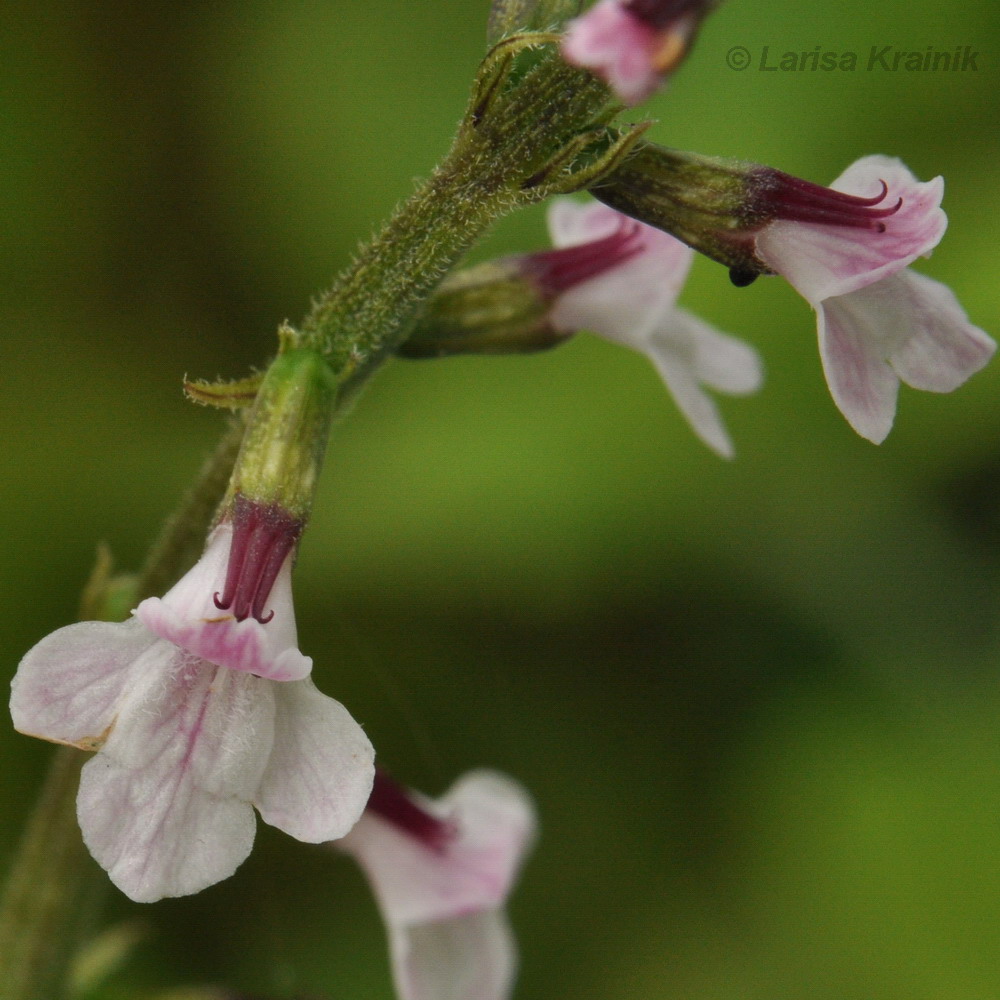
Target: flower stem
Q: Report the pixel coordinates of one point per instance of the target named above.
(51, 899)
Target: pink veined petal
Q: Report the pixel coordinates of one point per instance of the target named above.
(188, 617)
(617, 47)
(821, 261)
(625, 302)
(466, 958)
(853, 351)
(572, 222)
(321, 768)
(415, 884)
(662, 263)
(247, 646)
(938, 348)
(68, 686)
(165, 806)
(191, 597)
(633, 304)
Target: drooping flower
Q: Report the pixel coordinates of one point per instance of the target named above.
(441, 873)
(196, 717)
(878, 321)
(846, 249)
(634, 45)
(620, 280)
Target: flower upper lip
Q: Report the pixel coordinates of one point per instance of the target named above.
(188, 614)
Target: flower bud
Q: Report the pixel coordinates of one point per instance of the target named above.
(634, 45)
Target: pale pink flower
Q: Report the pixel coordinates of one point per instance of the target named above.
(633, 44)
(235, 608)
(192, 730)
(441, 873)
(878, 321)
(621, 281)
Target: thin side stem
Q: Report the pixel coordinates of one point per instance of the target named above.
(51, 898)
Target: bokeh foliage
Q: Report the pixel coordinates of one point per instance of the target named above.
(757, 702)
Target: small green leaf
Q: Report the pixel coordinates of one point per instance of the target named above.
(585, 161)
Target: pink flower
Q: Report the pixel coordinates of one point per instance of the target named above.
(620, 279)
(878, 321)
(441, 873)
(633, 44)
(192, 729)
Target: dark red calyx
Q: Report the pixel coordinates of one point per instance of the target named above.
(777, 195)
(659, 14)
(263, 537)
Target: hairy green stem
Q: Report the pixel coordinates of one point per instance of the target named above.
(497, 164)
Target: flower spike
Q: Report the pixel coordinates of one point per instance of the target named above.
(558, 271)
(781, 196)
(263, 537)
(391, 803)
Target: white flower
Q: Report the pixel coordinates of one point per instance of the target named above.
(632, 301)
(185, 746)
(878, 321)
(441, 872)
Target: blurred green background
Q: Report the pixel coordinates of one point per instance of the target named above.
(756, 702)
